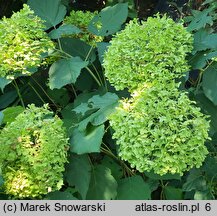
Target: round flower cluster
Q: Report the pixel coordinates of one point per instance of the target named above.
(159, 128)
(81, 20)
(23, 42)
(153, 50)
(33, 153)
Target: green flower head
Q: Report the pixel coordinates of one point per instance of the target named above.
(33, 153)
(23, 41)
(160, 130)
(155, 49)
(82, 19)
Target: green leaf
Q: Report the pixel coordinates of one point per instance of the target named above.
(209, 83)
(109, 20)
(60, 96)
(155, 176)
(52, 11)
(198, 60)
(200, 19)
(173, 193)
(7, 98)
(67, 29)
(203, 40)
(65, 71)
(103, 185)
(208, 2)
(99, 107)
(1, 117)
(210, 168)
(58, 195)
(4, 82)
(133, 188)
(78, 173)
(208, 107)
(10, 113)
(204, 195)
(76, 47)
(195, 181)
(1, 181)
(115, 168)
(153, 184)
(87, 141)
(102, 47)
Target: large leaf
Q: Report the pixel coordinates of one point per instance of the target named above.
(58, 195)
(155, 176)
(195, 181)
(210, 168)
(1, 117)
(204, 195)
(60, 96)
(99, 108)
(116, 169)
(87, 141)
(208, 107)
(65, 71)
(199, 19)
(78, 173)
(203, 40)
(76, 47)
(7, 98)
(67, 29)
(1, 181)
(133, 188)
(102, 47)
(173, 193)
(109, 20)
(200, 59)
(210, 82)
(3, 83)
(52, 11)
(71, 119)
(103, 185)
(10, 113)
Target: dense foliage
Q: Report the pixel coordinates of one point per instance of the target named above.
(108, 100)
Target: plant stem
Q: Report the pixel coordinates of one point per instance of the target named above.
(94, 77)
(73, 89)
(88, 69)
(44, 92)
(19, 94)
(36, 92)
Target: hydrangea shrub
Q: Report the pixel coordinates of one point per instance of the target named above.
(81, 20)
(160, 130)
(33, 153)
(155, 49)
(23, 42)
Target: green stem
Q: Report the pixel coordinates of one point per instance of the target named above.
(94, 77)
(109, 152)
(97, 72)
(88, 54)
(59, 43)
(19, 94)
(88, 69)
(73, 89)
(36, 92)
(44, 92)
(162, 191)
